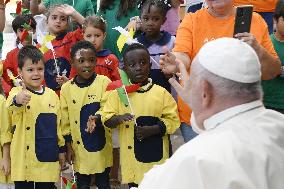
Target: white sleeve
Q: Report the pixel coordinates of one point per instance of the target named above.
(180, 171)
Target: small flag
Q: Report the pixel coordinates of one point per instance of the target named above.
(127, 38)
(123, 87)
(25, 34)
(19, 7)
(68, 183)
(45, 45)
(117, 84)
(11, 76)
(16, 81)
(45, 42)
(124, 37)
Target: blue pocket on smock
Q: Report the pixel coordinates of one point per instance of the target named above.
(46, 142)
(150, 149)
(93, 142)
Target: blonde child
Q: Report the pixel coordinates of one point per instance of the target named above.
(93, 30)
(58, 20)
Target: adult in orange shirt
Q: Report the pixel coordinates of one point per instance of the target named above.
(215, 22)
(264, 7)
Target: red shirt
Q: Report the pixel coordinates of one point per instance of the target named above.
(61, 44)
(107, 64)
(11, 63)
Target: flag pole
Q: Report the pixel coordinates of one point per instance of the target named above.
(61, 182)
(55, 62)
(130, 106)
(153, 59)
(73, 172)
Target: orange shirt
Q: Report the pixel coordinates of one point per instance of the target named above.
(258, 5)
(200, 27)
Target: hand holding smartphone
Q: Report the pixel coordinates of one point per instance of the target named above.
(243, 19)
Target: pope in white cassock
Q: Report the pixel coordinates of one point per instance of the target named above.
(241, 144)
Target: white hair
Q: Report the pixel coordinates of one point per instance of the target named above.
(229, 89)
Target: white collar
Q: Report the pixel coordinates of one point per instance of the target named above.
(20, 45)
(227, 114)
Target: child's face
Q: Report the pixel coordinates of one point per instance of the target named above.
(137, 66)
(95, 36)
(152, 21)
(279, 26)
(32, 74)
(84, 62)
(57, 22)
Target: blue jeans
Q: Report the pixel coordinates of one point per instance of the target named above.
(187, 132)
(268, 17)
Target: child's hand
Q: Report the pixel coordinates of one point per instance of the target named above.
(23, 97)
(70, 155)
(134, 23)
(6, 166)
(116, 120)
(61, 79)
(124, 117)
(66, 9)
(62, 159)
(91, 124)
(146, 131)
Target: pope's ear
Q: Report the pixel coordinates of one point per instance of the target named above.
(207, 93)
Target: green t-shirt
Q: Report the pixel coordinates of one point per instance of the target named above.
(112, 35)
(274, 89)
(95, 5)
(84, 7)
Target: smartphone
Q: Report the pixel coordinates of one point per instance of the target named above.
(243, 19)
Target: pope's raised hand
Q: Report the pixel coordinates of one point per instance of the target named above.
(167, 62)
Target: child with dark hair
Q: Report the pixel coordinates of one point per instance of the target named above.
(10, 65)
(273, 89)
(153, 16)
(146, 143)
(34, 137)
(94, 30)
(81, 97)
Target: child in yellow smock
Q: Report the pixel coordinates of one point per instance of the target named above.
(34, 136)
(155, 112)
(80, 98)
